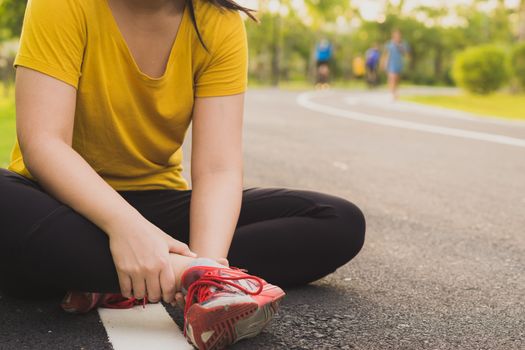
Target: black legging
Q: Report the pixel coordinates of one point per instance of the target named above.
(287, 237)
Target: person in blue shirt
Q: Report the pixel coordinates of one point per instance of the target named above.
(323, 56)
(372, 57)
(396, 52)
(323, 52)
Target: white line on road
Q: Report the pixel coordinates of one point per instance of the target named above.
(340, 165)
(384, 101)
(304, 100)
(143, 328)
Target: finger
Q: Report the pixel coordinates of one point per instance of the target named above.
(125, 284)
(180, 300)
(167, 284)
(180, 248)
(153, 287)
(139, 286)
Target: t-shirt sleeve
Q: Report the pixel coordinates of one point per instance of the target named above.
(227, 70)
(53, 39)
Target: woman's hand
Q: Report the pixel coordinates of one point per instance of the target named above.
(141, 254)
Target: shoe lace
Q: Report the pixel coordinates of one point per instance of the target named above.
(117, 301)
(201, 288)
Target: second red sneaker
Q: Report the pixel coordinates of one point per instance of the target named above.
(81, 302)
(225, 305)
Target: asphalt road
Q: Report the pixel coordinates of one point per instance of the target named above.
(443, 265)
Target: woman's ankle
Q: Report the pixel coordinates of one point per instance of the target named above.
(179, 264)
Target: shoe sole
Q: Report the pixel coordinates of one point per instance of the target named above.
(218, 327)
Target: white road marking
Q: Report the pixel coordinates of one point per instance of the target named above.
(340, 165)
(143, 328)
(352, 101)
(384, 101)
(304, 100)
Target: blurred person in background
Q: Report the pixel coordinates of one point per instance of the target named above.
(323, 57)
(396, 52)
(372, 58)
(358, 67)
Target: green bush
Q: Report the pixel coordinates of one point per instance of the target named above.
(481, 69)
(518, 63)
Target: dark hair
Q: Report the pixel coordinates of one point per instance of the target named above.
(222, 4)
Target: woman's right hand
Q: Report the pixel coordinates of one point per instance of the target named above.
(140, 252)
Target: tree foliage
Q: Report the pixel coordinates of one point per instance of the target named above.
(324, 11)
(11, 17)
(518, 63)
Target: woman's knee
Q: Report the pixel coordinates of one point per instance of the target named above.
(347, 231)
(343, 226)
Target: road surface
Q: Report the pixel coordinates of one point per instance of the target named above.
(443, 266)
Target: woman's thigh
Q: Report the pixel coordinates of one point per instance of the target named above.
(286, 236)
(47, 245)
(170, 209)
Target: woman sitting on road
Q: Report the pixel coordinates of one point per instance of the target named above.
(94, 204)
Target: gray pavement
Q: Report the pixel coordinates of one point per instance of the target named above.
(443, 265)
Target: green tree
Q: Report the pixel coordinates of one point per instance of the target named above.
(518, 63)
(11, 17)
(521, 21)
(323, 11)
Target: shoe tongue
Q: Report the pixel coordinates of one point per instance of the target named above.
(193, 272)
(191, 275)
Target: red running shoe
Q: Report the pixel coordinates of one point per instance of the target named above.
(225, 305)
(81, 303)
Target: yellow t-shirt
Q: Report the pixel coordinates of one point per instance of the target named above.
(129, 126)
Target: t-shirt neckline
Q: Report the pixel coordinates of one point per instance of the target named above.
(122, 41)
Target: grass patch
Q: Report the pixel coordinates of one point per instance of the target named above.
(7, 125)
(498, 105)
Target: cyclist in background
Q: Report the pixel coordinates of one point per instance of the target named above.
(323, 55)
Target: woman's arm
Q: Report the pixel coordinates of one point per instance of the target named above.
(45, 109)
(216, 173)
